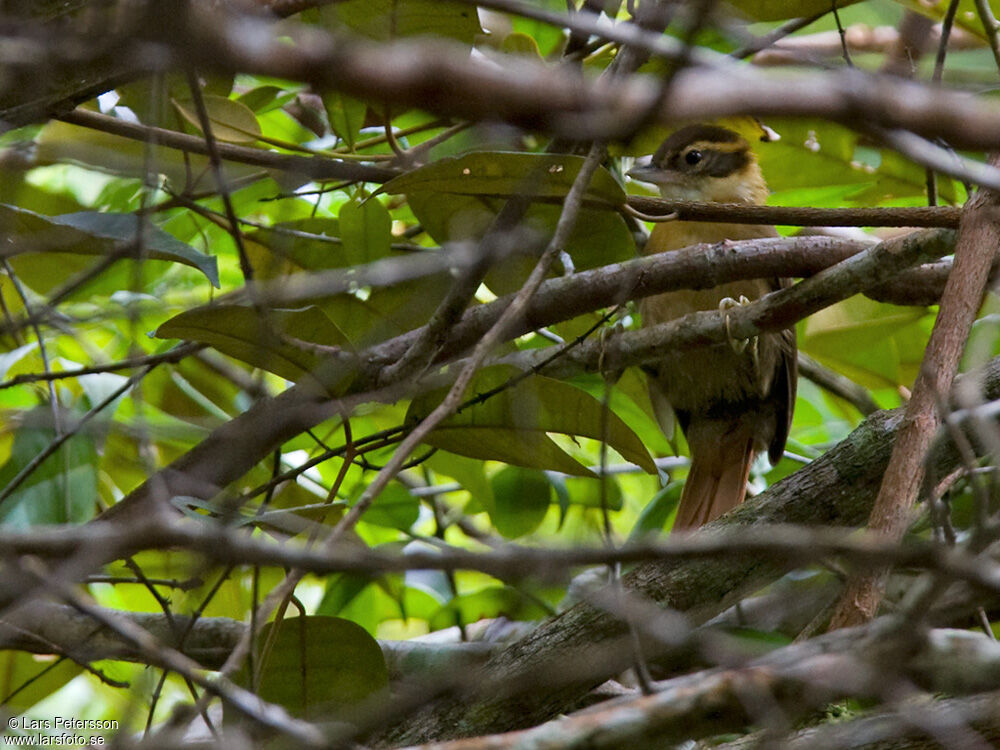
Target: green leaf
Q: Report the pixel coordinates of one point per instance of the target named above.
(587, 492)
(346, 115)
(467, 472)
(317, 667)
(550, 39)
(874, 344)
(814, 153)
(157, 244)
(231, 121)
(366, 230)
(394, 508)
(518, 43)
(654, 516)
(598, 238)
(489, 602)
(287, 247)
(511, 425)
(88, 233)
(505, 173)
(28, 678)
(447, 217)
(340, 591)
(239, 331)
(62, 489)
(265, 98)
(521, 499)
(388, 19)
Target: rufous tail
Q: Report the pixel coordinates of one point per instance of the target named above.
(721, 454)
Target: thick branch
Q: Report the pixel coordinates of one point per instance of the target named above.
(251, 436)
(313, 167)
(44, 628)
(859, 663)
(836, 489)
(978, 240)
(444, 79)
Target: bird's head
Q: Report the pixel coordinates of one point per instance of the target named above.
(705, 163)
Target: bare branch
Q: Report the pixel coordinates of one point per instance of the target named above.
(978, 238)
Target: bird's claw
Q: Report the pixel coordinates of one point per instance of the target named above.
(739, 345)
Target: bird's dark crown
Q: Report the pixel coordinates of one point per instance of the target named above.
(721, 152)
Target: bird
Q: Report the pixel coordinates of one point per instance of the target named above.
(735, 399)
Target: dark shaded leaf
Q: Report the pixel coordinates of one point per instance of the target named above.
(318, 667)
(92, 233)
(511, 425)
(506, 173)
(388, 19)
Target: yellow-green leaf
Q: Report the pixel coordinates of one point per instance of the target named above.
(231, 121)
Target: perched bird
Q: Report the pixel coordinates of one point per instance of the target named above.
(732, 400)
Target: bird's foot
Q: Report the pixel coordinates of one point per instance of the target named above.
(739, 346)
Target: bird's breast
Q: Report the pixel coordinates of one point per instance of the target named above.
(696, 380)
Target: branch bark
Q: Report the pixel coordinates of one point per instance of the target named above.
(859, 662)
(44, 628)
(255, 433)
(443, 79)
(529, 682)
(978, 240)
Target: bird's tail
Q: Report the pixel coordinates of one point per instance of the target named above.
(721, 454)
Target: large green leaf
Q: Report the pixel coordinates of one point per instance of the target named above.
(87, 233)
(240, 332)
(656, 512)
(521, 499)
(387, 19)
(394, 508)
(876, 344)
(365, 228)
(63, 489)
(812, 155)
(317, 667)
(28, 678)
(346, 115)
(511, 425)
(506, 173)
(598, 237)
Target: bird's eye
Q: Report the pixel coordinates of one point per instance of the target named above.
(692, 157)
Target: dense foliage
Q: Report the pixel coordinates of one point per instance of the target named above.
(138, 322)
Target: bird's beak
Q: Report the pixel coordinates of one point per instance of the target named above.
(648, 173)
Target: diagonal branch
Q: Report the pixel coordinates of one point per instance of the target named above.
(978, 239)
(255, 433)
(837, 489)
